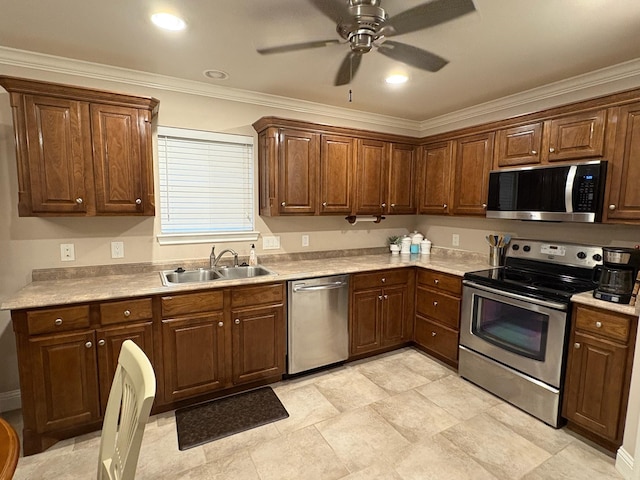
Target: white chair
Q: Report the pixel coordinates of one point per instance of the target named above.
(130, 399)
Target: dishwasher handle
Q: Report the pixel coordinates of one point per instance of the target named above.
(322, 286)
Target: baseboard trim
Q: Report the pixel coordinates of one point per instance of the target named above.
(624, 463)
(10, 401)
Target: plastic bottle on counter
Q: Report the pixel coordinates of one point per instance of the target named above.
(253, 259)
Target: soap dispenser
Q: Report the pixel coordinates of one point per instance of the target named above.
(253, 260)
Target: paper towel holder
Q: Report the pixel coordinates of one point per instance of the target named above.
(353, 219)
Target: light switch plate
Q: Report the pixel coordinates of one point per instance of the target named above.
(117, 249)
(270, 243)
(305, 240)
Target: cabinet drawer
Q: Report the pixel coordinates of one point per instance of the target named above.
(126, 311)
(192, 303)
(380, 279)
(58, 320)
(603, 323)
(438, 339)
(257, 295)
(438, 306)
(441, 281)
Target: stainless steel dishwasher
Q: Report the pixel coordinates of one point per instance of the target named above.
(318, 322)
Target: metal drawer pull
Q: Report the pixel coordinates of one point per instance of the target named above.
(379, 297)
(88, 344)
(101, 342)
(386, 296)
(58, 321)
(220, 324)
(576, 345)
(433, 334)
(127, 313)
(435, 304)
(436, 281)
(383, 280)
(237, 321)
(79, 201)
(138, 201)
(598, 324)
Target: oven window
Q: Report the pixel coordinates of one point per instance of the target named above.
(512, 328)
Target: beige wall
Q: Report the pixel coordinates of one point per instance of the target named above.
(33, 243)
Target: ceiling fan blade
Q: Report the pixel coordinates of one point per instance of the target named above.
(429, 14)
(414, 56)
(336, 10)
(348, 68)
(296, 46)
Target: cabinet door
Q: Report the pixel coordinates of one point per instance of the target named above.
(438, 340)
(623, 194)
(396, 324)
(193, 355)
(120, 169)
(298, 172)
(434, 169)
(401, 199)
(371, 177)
(576, 136)
(55, 156)
(336, 177)
(519, 145)
(258, 343)
(365, 321)
(594, 384)
(109, 344)
(65, 380)
(473, 157)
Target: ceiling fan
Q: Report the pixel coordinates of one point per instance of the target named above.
(364, 24)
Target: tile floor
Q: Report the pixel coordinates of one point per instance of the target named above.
(398, 416)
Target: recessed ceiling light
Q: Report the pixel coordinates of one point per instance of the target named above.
(168, 21)
(396, 79)
(216, 74)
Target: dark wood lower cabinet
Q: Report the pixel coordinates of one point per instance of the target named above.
(598, 374)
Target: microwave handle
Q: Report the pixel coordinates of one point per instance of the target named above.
(568, 188)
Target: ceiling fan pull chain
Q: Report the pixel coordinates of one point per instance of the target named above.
(350, 96)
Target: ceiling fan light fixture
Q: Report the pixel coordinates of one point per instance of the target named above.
(396, 79)
(168, 21)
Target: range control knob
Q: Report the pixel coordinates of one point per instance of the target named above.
(597, 257)
(526, 248)
(515, 247)
(582, 255)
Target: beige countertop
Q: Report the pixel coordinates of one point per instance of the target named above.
(100, 287)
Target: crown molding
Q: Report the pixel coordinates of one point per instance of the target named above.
(80, 68)
(605, 77)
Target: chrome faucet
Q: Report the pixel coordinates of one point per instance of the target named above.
(213, 260)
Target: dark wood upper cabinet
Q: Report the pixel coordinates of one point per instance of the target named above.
(371, 177)
(81, 152)
(519, 145)
(575, 136)
(337, 154)
(434, 173)
(401, 187)
(299, 153)
(472, 162)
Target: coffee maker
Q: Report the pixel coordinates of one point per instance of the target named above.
(617, 274)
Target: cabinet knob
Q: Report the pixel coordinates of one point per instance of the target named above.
(383, 205)
(435, 304)
(379, 297)
(551, 150)
(484, 205)
(324, 204)
(393, 205)
(534, 152)
(284, 204)
(127, 313)
(445, 205)
(433, 334)
(220, 324)
(383, 280)
(612, 207)
(386, 296)
(88, 345)
(138, 201)
(79, 201)
(598, 324)
(101, 342)
(58, 321)
(576, 345)
(436, 281)
(237, 321)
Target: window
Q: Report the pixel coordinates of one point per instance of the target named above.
(206, 186)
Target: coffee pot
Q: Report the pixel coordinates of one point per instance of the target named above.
(617, 275)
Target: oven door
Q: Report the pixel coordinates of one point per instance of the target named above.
(525, 334)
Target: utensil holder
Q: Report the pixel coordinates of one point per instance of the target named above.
(496, 256)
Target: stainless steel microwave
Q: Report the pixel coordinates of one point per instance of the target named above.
(556, 193)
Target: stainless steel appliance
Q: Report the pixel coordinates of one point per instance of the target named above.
(318, 322)
(515, 322)
(558, 193)
(618, 274)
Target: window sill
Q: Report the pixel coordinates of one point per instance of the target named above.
(187, 238)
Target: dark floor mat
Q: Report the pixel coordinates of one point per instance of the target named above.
(222, 417)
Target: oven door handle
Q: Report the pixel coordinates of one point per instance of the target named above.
(524, 298)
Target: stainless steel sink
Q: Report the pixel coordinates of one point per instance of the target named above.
(173, 277)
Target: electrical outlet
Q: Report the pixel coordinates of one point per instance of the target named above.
(270, 243)
(67, 252)
(305, 240)
(117, 249)
(455, 240)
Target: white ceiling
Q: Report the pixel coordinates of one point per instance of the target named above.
(504, 47)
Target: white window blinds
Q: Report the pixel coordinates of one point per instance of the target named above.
(206, 182)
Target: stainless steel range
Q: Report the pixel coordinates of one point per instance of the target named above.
(515, 322)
